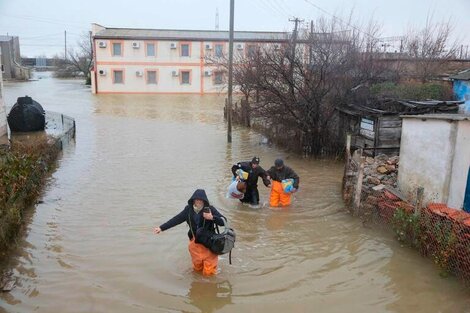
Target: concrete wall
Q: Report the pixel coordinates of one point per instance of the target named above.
(435, 154)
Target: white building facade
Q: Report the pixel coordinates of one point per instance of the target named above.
(152, 61)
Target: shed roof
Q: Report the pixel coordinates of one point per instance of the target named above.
(199, 35)
(452, 117)
(464, 75)
(401, 107)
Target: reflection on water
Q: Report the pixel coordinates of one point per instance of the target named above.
(136, 161)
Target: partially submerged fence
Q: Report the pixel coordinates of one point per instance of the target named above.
(436, 231)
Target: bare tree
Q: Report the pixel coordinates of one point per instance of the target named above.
(430, 48)
(298, 92)
(78, 61)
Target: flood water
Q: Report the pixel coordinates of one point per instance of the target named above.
(90, 246)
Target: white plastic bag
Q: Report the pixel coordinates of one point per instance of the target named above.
(233, 192)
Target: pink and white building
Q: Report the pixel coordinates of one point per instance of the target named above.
(156, 61)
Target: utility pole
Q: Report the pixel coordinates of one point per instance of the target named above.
(230, 74)
(217, 19)
(65, 47)
(292, 57)
(294, 34)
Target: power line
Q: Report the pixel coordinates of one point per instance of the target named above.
(48, 21)
(339, 19)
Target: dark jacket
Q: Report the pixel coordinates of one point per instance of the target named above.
(253, 173)
(284, 173)
(195, 220)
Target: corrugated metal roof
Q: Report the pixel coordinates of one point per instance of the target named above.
(200, 35)
(464, 75)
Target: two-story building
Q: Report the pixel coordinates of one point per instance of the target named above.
(168, 61)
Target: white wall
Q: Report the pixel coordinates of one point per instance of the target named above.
(435, 154)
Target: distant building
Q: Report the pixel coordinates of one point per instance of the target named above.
(167, 61)
(462, 88)
(3, 117)
(11, 59)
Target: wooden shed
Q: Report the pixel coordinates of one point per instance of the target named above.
(376, 128)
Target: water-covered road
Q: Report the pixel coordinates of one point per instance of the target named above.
(136, 160)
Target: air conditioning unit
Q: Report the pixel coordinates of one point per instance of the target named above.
(135, 45)
(102, 44)
(139, 73)
(208, 46)
(102, 72)
(173, 45)
(207, 73)
(277, 46)
(239, 46)
(174, 73)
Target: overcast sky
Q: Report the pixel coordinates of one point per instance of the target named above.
(40, 24)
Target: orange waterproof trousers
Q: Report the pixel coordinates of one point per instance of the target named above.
(203, 259)
(278, 196)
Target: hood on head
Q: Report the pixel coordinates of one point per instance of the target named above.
(199, 194)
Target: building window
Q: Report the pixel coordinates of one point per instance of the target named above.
(118, 77)
(185, 77)
(219, 50)
(150, 49)
(151, 77)
(218, 78)
(117, 49)
(185, 51)
(250, 51)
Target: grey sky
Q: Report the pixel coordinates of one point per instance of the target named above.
(41, 24)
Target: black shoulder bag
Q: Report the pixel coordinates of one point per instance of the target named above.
(216, 241)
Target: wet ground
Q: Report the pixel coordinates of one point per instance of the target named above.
(89, 246)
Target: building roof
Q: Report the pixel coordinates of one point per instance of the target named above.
(464, 75)
(196, 35)
(401, 107)
(452, 117)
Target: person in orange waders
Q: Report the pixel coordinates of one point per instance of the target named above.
(200, 216)
(278, 173)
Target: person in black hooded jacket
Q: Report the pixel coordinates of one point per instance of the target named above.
(198, 214)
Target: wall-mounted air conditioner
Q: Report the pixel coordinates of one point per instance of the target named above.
(208, 46)
(174, 73)
(135, 45)
(277, 46)
(207, 73)
(239, 46)
(139, 73)
(173, 45)
(102, 72)
(102, 44)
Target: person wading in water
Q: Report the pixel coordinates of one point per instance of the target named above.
(254, 171)
(198, 214)
(278, 173)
